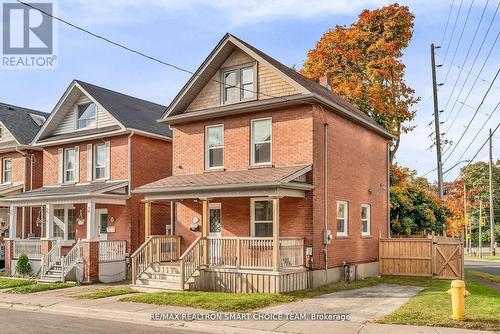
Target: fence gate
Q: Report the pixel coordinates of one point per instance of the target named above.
(436, 257)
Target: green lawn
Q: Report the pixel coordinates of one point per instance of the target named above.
(486, 276)
(216, 301)
(40, 287)
(484, 257)
(12, 282)
(432, 306)
(106, 293)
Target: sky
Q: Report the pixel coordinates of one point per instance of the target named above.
(184, 33)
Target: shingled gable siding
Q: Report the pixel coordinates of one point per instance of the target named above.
(291, 142)
(269, 83)
(118, 159)
(357, 163)
(68, 123)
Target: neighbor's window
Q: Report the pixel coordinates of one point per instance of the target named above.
(100, 161)
(71, 224)
(69, 164)
(214, 152)
(7, 170)
(238, 84)
(86, 115)
(342, 214)
(365, 219)
(261, 141)
(262, 218)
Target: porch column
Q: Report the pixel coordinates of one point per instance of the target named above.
(147, 220)
(49, 221)
(12, 222)
(276, 234)
(90, 220)
(205, 227)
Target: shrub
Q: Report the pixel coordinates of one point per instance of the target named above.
(23, 266)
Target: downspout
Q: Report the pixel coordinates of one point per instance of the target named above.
(32, 158)
(388, 190)
(130, 162)
(23, 218)
(325, 188)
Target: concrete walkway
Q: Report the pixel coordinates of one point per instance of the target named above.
(363, 305)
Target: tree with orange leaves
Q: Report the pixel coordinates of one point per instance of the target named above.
(362, 63)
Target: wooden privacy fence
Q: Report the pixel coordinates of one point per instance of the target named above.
(434, 257)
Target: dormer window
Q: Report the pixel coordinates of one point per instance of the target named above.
(238, 84)
(86, 116)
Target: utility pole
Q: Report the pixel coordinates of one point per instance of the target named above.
(466, 230)
(436, 128)
(480, 250)
(492, 213)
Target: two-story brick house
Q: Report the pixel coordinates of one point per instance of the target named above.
(97, 145)
(20, 167)
(277, 181)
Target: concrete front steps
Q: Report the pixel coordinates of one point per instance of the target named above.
(161, 276)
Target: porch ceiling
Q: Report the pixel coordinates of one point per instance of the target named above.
(276, 181)
(114, 192)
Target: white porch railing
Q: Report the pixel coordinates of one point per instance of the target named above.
(51, 258)
(32, 248)
(71, 259)
(112, 250)
(254, 252)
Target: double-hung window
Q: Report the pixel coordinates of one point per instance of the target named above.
(100, 153)
(238, 84)
(86, 116)
(342, 220)
(214, 146)
(7, 170)
(261, 149)
(365, 219)
(262, 217)
(69, 165)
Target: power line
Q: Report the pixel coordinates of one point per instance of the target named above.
(466, 56)
(453, 30)
(447, 22)
(472, 119)
(472, 67)
(475, 155)
(459, 39)
(482, 126)
(140, 53)
(473, 85)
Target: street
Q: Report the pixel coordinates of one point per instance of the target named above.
(490, 267)
(13, 322)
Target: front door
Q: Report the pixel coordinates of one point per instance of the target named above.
(102, 223)
(215, 227)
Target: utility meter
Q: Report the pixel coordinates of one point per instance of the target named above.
(327, 237)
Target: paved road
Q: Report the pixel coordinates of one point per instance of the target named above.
(490, 267)
(14, 322)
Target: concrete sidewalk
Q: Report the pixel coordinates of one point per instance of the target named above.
(363, 304)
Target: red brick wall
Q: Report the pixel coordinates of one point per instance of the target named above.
(292, 140)
(118, 159)
(357, 163)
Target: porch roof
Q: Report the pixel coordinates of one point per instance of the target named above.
(111, 190)
(251, 182)
(6, 189)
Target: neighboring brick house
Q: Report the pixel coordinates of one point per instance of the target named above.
(273, 172)
(20, 167)
(97, 145)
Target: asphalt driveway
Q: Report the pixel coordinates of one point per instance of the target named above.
(490, 267)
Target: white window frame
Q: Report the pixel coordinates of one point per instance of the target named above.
(252, 213)
(65, 209)
(77, 112)
(65, 180)
(238, 70)
(4, 170)
(94, 159)
(252, 143)
(368, 220)
(207, 149)
(343, 233)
